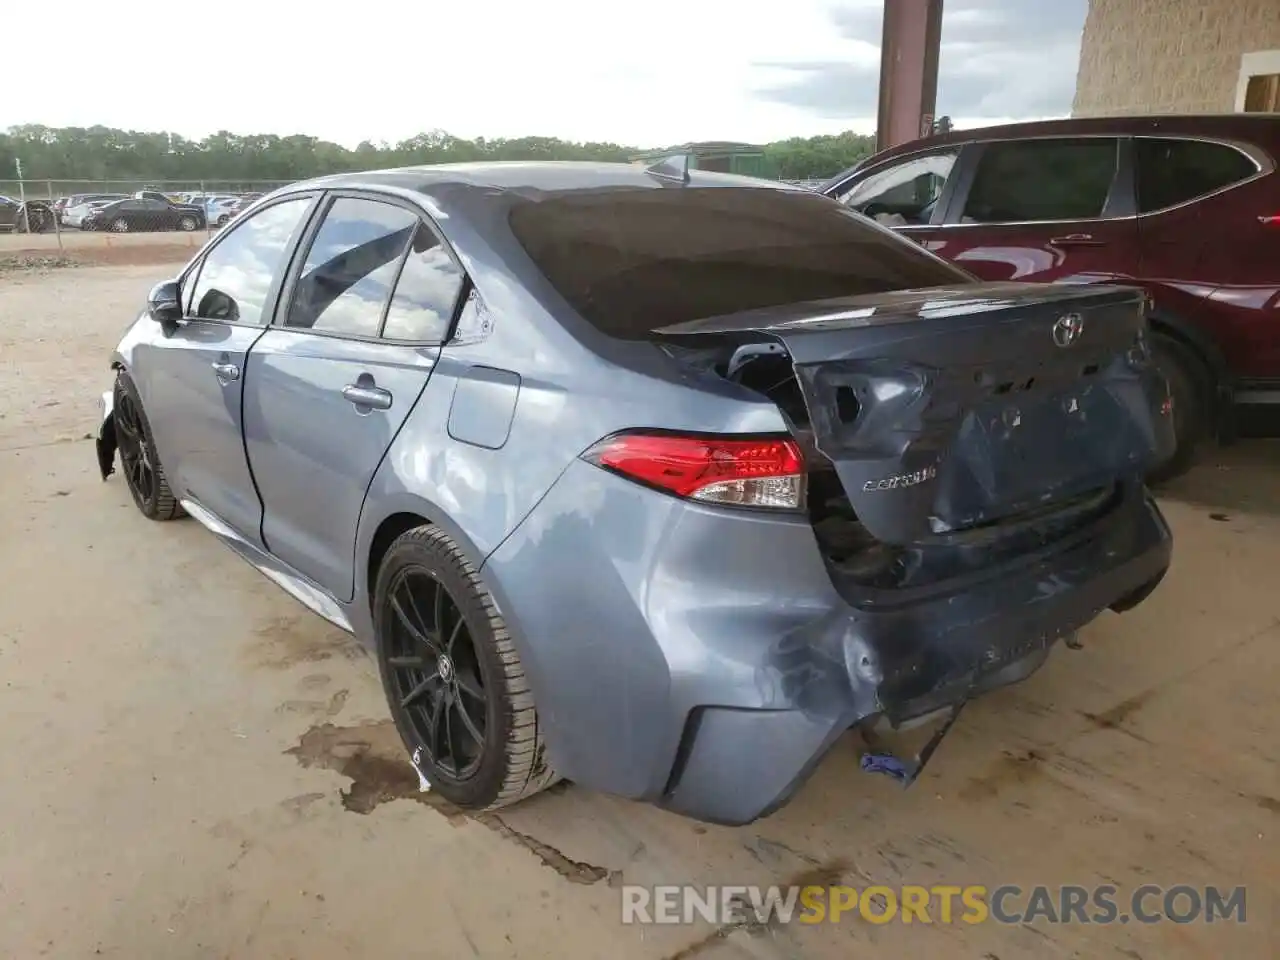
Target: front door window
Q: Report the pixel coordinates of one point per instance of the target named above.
(905, 194)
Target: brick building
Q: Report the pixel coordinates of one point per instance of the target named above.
(1179, 56)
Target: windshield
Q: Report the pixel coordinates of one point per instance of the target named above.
(632, 261)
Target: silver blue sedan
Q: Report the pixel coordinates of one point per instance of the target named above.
(656, 480)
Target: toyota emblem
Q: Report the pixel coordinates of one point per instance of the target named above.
(1068, 329)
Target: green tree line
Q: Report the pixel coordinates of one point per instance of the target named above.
(103, 153)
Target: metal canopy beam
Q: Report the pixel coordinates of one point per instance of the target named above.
(908, 70)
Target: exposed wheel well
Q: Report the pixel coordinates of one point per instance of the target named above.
(386, 534)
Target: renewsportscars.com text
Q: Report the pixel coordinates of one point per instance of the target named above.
(942, 904)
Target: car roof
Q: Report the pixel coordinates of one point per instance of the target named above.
(470, 202)
(532, 177)
(1225, 125)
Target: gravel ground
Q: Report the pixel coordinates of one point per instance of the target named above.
(195, 767)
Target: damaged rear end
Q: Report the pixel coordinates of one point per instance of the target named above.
(974, 463)
(950, 431)
(949, 480)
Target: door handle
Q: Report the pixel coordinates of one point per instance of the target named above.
(226, 372)
(373, 397)
(1077, 240)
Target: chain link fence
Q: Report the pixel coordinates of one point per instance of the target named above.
(52, 216)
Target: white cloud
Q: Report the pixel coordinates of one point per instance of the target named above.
(642, 74)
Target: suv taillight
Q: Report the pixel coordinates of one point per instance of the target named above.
(737, 471)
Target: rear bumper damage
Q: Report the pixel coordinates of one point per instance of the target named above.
(922, 659)
(105, 441)
(676, 661)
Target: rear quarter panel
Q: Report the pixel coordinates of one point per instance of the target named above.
(480, 485)
(566, 398)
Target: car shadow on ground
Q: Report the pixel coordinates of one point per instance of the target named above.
(1241, 477)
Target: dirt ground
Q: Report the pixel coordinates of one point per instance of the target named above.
(193, 766)
(103, 249)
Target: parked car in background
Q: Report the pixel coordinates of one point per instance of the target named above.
(657, 480)
(217, 210)
(150, 194)
(144, 213)
(76, 216)
(78, 200)
(1186, 207)
(242, 202)
(31, 216)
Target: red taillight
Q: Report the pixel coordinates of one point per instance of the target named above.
(756, 472)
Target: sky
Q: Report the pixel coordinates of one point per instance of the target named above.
(643, 74)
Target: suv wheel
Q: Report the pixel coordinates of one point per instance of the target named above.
(1189, 384)
(453, 679)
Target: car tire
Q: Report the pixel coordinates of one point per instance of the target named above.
(1189, 386)
(222, 221)
(473, 653)
(139, 461)
(187, 224)
(119, 225)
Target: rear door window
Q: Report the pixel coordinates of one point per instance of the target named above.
(426, 292)
(631, 261)
(349, 271)
(1021, 181)
(1173, 171)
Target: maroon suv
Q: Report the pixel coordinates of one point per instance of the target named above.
(1187, 207)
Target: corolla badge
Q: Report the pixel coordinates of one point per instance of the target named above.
(1068, 329)
(902, 480)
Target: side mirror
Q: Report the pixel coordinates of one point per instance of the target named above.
(164, 303)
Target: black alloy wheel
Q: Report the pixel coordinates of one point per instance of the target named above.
(143, 473)
(454, 681)
(130, 435)
(435, 673)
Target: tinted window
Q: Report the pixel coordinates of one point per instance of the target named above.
(1042, 180)
(1175, 171)
(903, 194)
(236, 275)
(629, 261)
(426, 292)
(350, 267)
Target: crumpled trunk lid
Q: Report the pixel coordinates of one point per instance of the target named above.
(951, 408)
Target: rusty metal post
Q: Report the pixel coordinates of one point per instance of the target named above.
(908, 70)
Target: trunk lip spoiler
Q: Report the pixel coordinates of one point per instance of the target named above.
(905, 306)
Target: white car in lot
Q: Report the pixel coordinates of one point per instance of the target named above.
(217, 209)
(80, 200)
(75, 216)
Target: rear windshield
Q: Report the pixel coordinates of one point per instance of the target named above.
(632, 261)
